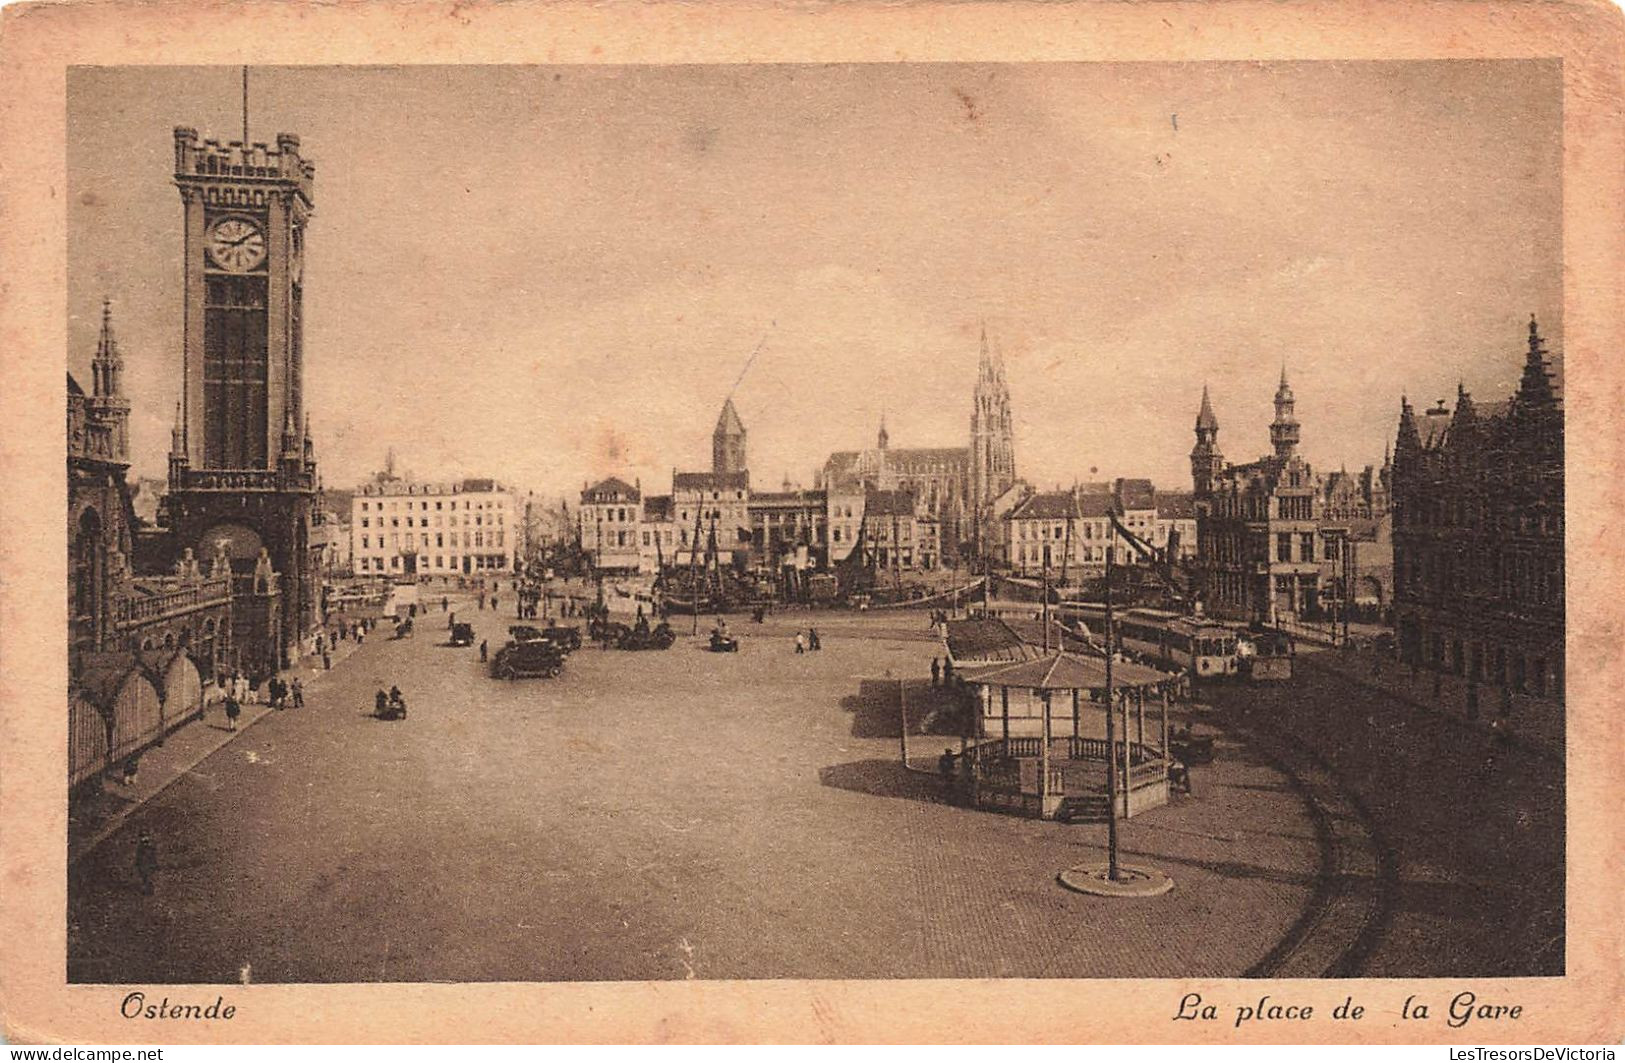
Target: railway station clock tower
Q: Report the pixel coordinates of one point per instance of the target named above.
(242, 471)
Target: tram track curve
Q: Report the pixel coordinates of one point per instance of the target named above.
(1356, 886)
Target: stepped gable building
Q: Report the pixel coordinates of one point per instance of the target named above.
(140, 647)
(1478, 535)
(1262, 550)
(242, 470)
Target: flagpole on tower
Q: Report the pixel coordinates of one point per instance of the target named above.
(245, 106)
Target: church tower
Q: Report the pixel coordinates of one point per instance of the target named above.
(728, 442)
(241, 476)
(1206, 460)
(992, 439)
(1284, 430)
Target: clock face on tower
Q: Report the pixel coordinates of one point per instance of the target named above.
(236, 244)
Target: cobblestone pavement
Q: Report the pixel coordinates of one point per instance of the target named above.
(655, 815)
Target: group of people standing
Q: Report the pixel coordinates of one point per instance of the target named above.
(810, 642)
(279, 693)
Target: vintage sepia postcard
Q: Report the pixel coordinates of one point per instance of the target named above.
(756, 522)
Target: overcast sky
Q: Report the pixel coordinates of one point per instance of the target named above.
(550, 274)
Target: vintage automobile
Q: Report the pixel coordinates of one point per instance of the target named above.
(567, 639)
(462, 634)
(564, 635)
(518, 660)
(660, 637)
(721, 643)
(602, 629)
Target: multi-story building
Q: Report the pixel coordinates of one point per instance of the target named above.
(657, 537)
(611, 524)
(404, 528)
(1263, 551)
(788, 528)
(1070, 529)
(141, 648)
(844, 520)
(894, 536)
(712, 509)
(1478, 535)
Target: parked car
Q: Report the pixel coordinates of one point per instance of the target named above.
(462, 634)
(518, 660)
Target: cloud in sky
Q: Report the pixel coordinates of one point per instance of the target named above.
(553, 273)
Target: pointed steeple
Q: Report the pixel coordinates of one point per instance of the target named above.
(1409, 441)
(177, 435)
(290, 436)
(1535, 389)
(728, 441)
(883, 438)
(309, 444)
(1205, 420)
(108, 365)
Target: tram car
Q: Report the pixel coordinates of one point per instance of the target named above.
(1202, 649)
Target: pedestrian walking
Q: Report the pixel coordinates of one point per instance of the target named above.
(234, 708)
(298, 693)
(947, 670)
(445, 603)
(146, 861)
(254, 690)
(945, 768)
(485, 650)
(813, 641)
(936, 672)
(327, 662)
(493, 603)
(801, 646)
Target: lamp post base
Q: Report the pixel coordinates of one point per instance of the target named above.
(1131, 881)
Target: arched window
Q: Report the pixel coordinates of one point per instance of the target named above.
(89, 562)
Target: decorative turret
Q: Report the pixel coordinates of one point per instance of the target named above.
(309, 446)
(107, 406)
(1206, 460)
(1284, 430)
(1535, 389)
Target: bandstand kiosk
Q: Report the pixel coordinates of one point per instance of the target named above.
(1041, 742)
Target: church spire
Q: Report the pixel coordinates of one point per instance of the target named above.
(1205, 420)
(108, 365)
(883, 438)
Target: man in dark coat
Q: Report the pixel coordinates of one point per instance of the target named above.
(146, 861)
